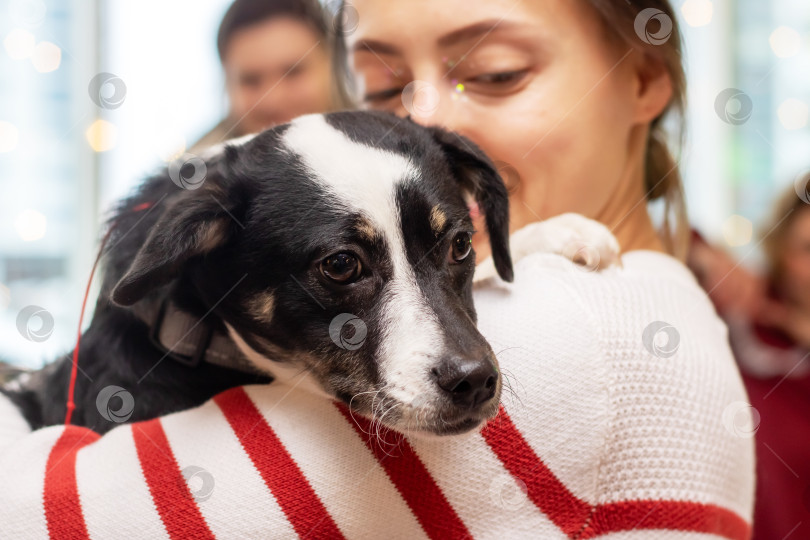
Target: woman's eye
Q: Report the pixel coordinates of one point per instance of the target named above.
(461, 247)
(497, 82)
(382, 96)
(341, 268)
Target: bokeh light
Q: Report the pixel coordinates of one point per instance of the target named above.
(785, 42)
(697, 12)
(19, 44)
(793, 114)
(31, 225)
(46, 57)
(737, 230)
(102, 135)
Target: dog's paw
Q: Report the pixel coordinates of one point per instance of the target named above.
(582, 240)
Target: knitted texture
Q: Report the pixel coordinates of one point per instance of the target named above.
(602, 433)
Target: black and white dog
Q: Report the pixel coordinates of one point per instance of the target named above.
(335, 250)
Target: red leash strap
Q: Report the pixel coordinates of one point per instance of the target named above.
(71, 405)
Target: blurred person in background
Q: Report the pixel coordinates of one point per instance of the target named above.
(276, 58)
(769, 328)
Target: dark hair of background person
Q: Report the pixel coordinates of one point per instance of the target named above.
(662, 178)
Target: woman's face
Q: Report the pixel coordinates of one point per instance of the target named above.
(796, 260)
(276, 70)
(535, 84)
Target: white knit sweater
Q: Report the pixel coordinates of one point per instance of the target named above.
(598, 437)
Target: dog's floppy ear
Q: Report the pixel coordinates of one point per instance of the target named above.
(476, 174)
(194, 224)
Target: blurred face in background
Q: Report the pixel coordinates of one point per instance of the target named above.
(276, 70)
(563, 110)
(796, 261)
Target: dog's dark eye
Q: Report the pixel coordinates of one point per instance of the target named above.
(462, 246)
(341, 267)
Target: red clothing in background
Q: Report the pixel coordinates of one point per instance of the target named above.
(782, 508)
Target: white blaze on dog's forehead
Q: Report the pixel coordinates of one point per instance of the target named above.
(360, 177)
(364, 179)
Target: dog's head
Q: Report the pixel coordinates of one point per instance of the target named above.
(340, 244)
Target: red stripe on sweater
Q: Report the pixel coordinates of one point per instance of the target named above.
(283, 477)
(578, 519)
(544, 489)
(667, 515)
(170, 493)
(411, 478)
(63, 509)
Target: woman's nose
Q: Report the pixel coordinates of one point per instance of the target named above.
(430, 103)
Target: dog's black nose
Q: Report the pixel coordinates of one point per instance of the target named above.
(468, 382)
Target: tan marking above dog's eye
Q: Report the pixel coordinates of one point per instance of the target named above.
(437, 219)
(261, 306)
(366, 230)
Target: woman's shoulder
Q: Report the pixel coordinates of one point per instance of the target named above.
(647, 289)
(635, 366)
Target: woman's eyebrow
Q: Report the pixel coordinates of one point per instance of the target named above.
(374, 46)
(482, 29)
